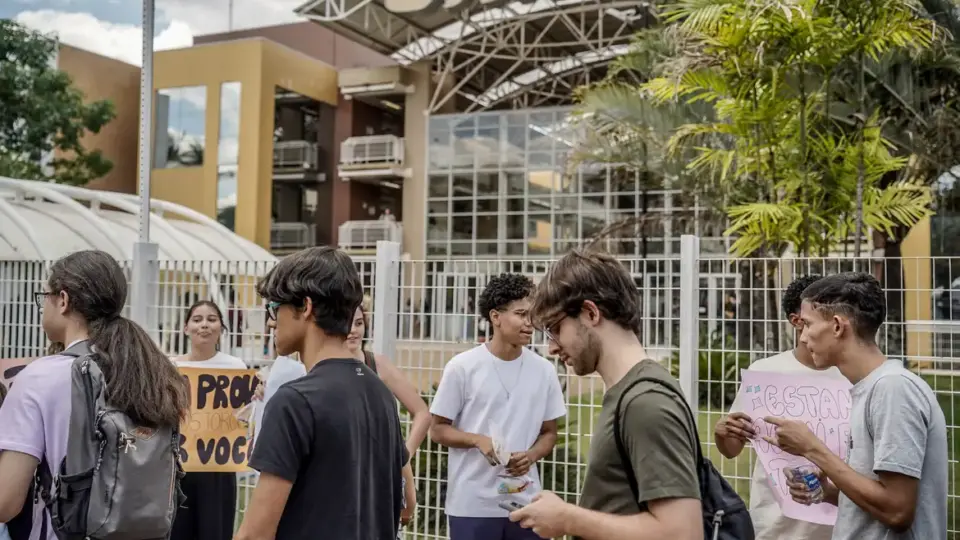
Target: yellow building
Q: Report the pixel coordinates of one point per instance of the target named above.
(215, 127)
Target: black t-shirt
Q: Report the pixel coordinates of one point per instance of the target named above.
(335, 434)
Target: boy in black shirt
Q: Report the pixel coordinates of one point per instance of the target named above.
(330, 452)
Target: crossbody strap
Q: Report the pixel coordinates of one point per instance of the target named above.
(618, 436)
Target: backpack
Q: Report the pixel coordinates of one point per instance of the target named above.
(118, 480)
(725, 516)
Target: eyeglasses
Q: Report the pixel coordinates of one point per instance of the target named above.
(552, 330)
(272, 308)
(40, 296)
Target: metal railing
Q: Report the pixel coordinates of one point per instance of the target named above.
(364, 235)
(295, 155)
(372, 150)
(292, 235)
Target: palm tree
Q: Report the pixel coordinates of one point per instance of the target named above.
(744, 92)
(763, 109)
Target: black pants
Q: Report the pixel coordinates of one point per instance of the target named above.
(211, 507)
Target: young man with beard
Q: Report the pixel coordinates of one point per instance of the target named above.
(589, 307)
(330, 451)
(497, 389)
(734, 430)
(894, 481)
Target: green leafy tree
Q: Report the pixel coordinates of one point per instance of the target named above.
(792, 121)
(42, 113)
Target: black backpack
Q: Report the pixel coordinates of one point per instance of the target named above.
(725, 516)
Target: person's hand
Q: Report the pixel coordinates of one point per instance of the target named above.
(802, 495)
(410, 497)
(546, 515)
(519, 464)
(258, 393)
(737, 426)
(792, 436)
(485, 445)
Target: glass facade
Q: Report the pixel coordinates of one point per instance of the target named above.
(179, 137)
(228, 154)
(500, 184)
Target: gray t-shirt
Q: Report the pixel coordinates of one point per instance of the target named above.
(896, 425)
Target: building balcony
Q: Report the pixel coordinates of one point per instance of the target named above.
(297, 160)
(360, 237)
(292, 236)
(372, 158)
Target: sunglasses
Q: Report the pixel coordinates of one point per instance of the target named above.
(272, 308)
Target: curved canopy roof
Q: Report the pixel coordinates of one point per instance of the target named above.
(42, 221)
(497, 54)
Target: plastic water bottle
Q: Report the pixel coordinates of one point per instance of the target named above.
(808, 475)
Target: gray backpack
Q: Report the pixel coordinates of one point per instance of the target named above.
(118, 481)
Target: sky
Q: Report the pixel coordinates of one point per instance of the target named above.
(113, 27)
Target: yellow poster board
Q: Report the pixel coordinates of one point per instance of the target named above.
(212, 439)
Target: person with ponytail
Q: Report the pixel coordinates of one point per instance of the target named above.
(211, 503)
(82, 300)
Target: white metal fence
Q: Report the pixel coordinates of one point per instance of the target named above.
(703, 317)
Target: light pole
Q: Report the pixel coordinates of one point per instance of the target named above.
(145, 268)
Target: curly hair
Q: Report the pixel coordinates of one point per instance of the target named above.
(791, 296)
(501, 290)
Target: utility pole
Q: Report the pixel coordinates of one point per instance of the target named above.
(145, 274)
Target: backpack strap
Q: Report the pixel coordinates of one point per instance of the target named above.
(83, 351)
(618, 436)
(370, 360)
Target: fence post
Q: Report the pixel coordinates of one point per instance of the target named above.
(690, 318)
(145, 279)
(386, 298)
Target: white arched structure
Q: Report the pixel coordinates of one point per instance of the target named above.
(529, 53)
(41, 222)
(48, 221)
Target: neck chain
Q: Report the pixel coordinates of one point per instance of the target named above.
(519, 372)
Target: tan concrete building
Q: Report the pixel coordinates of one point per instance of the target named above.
(99, 77)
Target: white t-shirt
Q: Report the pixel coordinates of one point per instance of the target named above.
(221, 360)
(768, 521)
(283, 370)
(473, 393)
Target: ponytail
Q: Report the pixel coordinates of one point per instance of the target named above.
(142, 381)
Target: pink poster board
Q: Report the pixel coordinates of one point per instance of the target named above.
(821, 401)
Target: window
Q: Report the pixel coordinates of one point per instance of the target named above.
(179, 139)
(228, 154)
(506, 185)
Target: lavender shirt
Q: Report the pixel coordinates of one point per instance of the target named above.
(35, 418)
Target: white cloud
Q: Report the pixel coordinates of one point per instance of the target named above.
(187, 18)
(120, 41)
(213, 16)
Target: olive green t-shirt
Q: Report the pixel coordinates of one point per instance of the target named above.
(659, 438)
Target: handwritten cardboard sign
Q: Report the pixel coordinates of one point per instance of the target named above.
(9, 367)
(212, 439)
(821, 401)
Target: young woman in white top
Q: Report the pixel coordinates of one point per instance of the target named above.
(211, 506)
